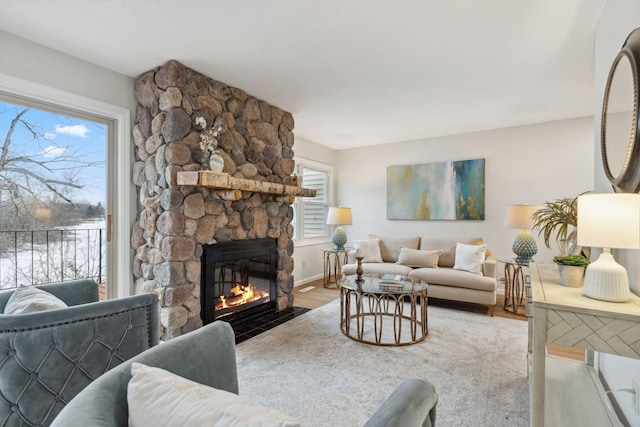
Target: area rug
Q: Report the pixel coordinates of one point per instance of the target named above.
(308, 369)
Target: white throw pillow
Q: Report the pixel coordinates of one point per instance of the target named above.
(27, 299)
(158, 398)
(470, 258)
(417, 258)
(369, 249)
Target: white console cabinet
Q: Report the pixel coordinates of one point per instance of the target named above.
(563, 392)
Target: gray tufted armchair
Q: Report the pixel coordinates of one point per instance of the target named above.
(48, 357)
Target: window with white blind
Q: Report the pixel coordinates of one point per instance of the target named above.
(310, 214)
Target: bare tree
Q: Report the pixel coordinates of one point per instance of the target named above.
(28, 180)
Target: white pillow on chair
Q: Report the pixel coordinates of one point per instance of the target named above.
(27, 299)
(159, 398)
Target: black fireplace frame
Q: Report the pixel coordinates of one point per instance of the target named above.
(234, 250)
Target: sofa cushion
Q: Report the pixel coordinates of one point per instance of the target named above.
(378, 268)
(27, 299)
(157, 397)
(454, 278)
(390, 245)
(418, 258)
(448, 247)
(470, 258)
(369, 249)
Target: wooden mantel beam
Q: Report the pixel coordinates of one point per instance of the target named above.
(223, 181)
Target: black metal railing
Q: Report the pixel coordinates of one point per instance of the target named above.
(43, 256)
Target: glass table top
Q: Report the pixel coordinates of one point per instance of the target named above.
(378, 283)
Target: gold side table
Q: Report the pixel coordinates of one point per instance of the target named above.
(370, 307)
(334, 259)
(514, 283)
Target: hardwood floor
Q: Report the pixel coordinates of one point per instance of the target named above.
(313, 295)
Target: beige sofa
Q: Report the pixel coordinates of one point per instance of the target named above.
(445, 281)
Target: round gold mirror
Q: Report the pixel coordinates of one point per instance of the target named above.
(619, 136)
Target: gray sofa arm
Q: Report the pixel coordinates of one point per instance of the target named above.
(50, 356)
(206, 355)
(412, 404)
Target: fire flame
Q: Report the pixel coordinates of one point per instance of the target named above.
(241, 294)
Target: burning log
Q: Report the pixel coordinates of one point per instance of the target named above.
(240, 294)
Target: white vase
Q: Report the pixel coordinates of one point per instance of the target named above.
(216, 162)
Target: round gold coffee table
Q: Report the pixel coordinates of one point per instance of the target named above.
(374, 312)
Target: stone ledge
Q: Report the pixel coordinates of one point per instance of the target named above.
(223, 181)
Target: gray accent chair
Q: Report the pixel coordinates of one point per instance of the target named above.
(412, 404)
(207, 356)
(48, 357)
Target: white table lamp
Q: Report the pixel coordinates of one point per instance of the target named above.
(608, 221)
(339, 216)
(524, 245)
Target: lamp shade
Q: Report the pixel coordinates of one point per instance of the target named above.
(610, 220)
(519, 216)
(339, 216)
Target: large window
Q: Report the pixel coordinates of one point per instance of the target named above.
(310, 214)
(118, 167)
(52, 195)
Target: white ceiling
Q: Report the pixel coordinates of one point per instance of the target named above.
(352, 72)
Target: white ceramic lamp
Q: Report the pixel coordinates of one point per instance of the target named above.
(524, 245)
(608, 221)
(339, 216)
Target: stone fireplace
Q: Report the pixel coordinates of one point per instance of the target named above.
(176, 222)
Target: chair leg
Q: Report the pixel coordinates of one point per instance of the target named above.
(490, 307)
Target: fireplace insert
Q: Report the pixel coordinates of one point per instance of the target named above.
(237, 276)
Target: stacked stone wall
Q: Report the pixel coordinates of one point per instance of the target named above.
(173, 221)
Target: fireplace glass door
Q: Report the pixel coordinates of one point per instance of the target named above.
(237, 276)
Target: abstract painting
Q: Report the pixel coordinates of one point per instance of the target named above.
(444, 190)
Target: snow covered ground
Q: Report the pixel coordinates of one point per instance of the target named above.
(54, 255)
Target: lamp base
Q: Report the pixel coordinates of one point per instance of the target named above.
(606, 280)
(524, 246)
(339, 238)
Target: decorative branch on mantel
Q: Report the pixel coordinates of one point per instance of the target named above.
(223, 181)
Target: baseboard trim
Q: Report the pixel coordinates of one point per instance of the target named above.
(306, 280)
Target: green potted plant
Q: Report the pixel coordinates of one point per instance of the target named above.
(559, 219)
(571, 269)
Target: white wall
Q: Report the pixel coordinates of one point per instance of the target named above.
(36, 63)
(531, 164)
(527, 164)
(307, 258)
(618, 19)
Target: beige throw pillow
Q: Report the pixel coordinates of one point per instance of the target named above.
(27, 299)
(390, 245)
(416, 258)
(470, 258)
(369, 249)
(159, 398)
